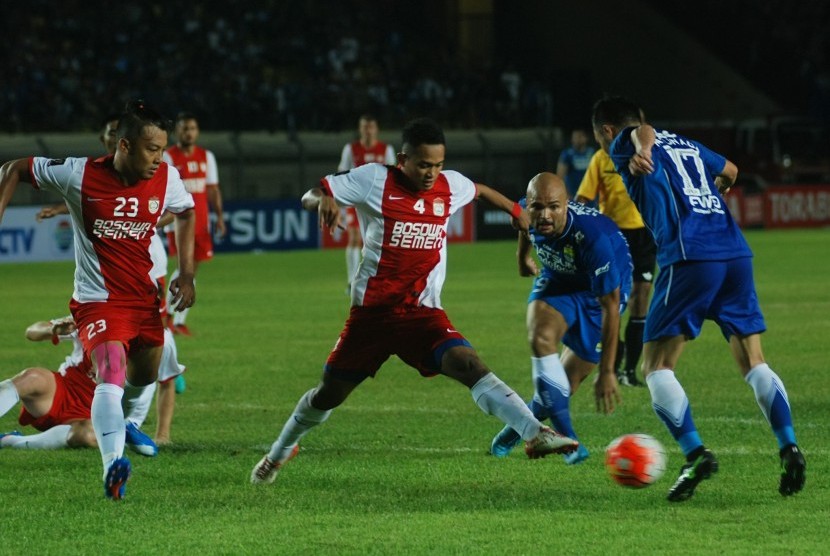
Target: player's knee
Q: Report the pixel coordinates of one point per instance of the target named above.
(542, 344)
(464, 365)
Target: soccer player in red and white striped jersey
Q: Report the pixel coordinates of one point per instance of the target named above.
(396, 296)
(200, 174)
(365, 150)
(115, 203)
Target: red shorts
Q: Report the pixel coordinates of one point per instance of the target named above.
(134, 326)
(202, 246)
(418, 335)
(72, 401)
(351, 218)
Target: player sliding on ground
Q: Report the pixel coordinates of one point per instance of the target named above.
(396, 305)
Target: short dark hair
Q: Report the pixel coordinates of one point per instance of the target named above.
(616, 111)
(137, 115)
(111, 117)
(422, 131)
(368, 117)
(183, 116)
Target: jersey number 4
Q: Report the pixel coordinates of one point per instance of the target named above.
(419, 206)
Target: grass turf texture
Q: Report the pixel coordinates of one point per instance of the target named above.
(402, 465)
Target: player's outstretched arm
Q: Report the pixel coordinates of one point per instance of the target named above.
(52, 211)
(182, 288)
(527, 264)
(327, 208)
(11, 174)
(643, 138)
(521, 220)
(606, 388)
(50, 329)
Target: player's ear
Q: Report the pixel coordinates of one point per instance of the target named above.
(124, 145)
(401, 157)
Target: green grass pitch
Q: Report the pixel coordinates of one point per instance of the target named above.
(401, 467)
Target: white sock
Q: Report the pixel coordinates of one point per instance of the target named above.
(8, 396)
(551, 370)
(304, 418)
(494, 397)
(667, 395)
(108, 422)
(51, 439)
(352, 262)
(137, 401)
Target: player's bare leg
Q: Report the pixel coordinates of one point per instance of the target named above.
(772, 399)
(35, 389)
(81, 435)
(165, 404)
(494, 397)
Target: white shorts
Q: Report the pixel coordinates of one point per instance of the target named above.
(169, 368)
(158, 254)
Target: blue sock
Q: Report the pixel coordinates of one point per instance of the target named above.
(537, 408)
(672, 406)
(554, 390)
(772, 399)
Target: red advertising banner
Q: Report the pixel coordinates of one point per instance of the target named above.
(461, 229)
(746, 209)
(797, 206)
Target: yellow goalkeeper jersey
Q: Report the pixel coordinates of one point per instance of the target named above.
(601, 178)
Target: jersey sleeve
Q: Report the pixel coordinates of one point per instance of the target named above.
(600, 262)
(354, 186)
(176, 199)
(589, 187)
(712, 161)
(462, 190)
(391, 159)
(346, 159)
(212, 173)
(56, 174)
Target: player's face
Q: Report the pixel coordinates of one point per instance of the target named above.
(548, 210)
(187, 132)
(368, 130)
(142, 156)
(579, 139)
(108, 137)
(422, 164)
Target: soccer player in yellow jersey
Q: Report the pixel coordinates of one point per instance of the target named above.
(602, 180)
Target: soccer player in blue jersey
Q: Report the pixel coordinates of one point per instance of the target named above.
(574, 160)
(577, 298)
(705, 273)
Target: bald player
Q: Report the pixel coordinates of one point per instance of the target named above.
(578, 295)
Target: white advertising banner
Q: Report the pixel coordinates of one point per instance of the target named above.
(24, 239)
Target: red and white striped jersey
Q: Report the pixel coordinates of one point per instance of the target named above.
(198, 170)
(355, 154)
(404, 233)
(112, 222)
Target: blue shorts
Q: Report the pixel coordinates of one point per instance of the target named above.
(686, 293)
(583, 314)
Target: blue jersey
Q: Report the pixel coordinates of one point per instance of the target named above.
(591, 255)
(679, 201)
(577, 162)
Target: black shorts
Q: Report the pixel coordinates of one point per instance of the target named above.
(643, 253)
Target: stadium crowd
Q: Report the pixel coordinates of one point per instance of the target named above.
(260, 65)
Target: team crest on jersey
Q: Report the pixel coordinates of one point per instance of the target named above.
(154, 205)
(438, 207)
